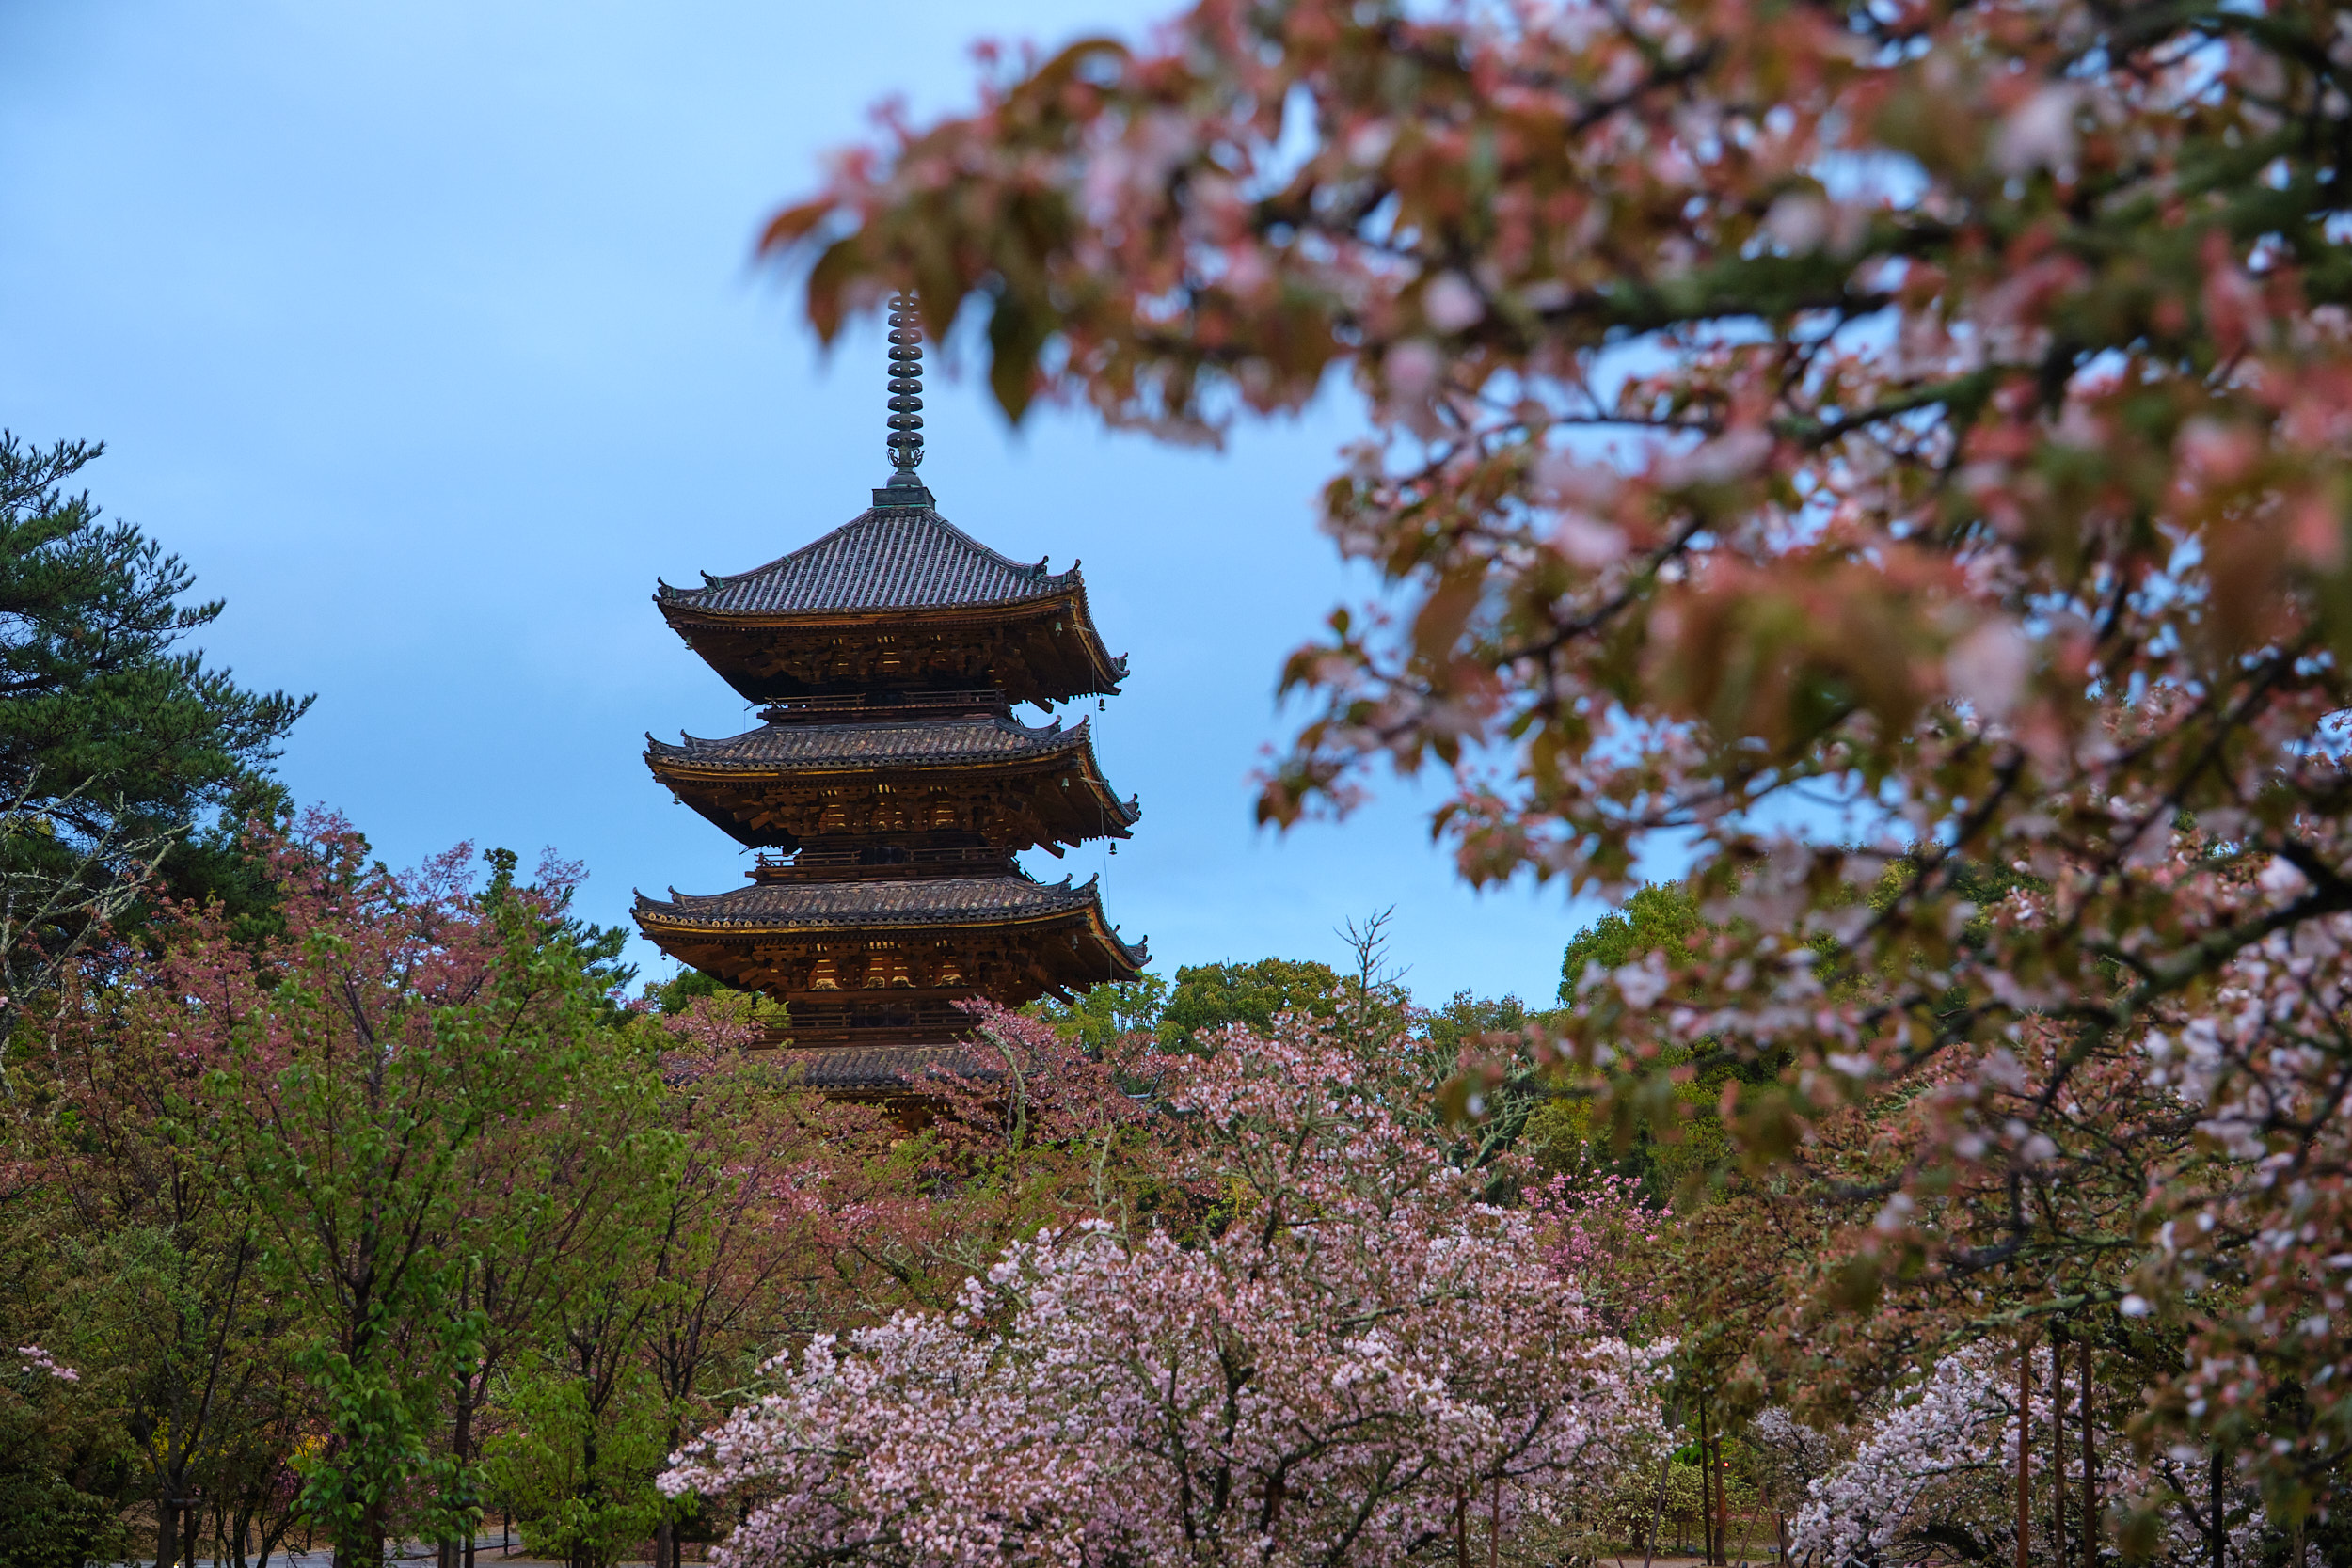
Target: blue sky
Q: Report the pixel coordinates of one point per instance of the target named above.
(426, 332)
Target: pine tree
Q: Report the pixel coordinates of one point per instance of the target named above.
(125, 762)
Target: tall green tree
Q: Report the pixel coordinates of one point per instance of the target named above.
(1101, 1014)
(554, 1206)
(1210, 996)
(362, 1058)
(562, 1241)
(1659, 918)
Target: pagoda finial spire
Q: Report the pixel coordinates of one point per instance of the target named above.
(906, 387)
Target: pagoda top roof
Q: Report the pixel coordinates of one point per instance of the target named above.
(978, 738)
(887, 558)
(930, 901)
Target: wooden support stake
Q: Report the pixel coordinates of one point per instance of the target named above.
(2057, 1444)
(1722, 1504)
(2213, 1494)
(2024, 1449)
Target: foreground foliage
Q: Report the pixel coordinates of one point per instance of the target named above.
(1823, 438)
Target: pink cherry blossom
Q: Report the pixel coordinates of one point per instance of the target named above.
(1351, 1356)
(39, 1360)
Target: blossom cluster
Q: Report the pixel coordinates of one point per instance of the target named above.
(39, 1361)
(1351, 1357)
(1605, 1237)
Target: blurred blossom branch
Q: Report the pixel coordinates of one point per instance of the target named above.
(1933, 410)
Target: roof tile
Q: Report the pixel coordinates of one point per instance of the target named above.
(981, 738)
(894, 558)
(946, 900)
(851, 1067)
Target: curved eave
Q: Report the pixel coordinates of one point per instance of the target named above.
(657, 918)
(685, 603)
(706, 757)
(711, 785)
(1104, 670)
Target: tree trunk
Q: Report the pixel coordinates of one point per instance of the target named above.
(167, 1524)
(1461, 1529)
(271, 1538)
(357, 1550)
(191, 1529)
(589, 1484)
(454, 1552)
(1657, 1512)
(1707, 1494)
(364, 1546)
(665, 1532)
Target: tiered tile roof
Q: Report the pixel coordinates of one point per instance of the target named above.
(916, 901)
(890, 652)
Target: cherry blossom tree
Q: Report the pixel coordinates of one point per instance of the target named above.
(1816, 437)
(157, 1251)
(1030, 1131)
(1933, 1475)
(1609, 1240)
(1352, 1363)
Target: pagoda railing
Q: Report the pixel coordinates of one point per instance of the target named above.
(855, 703)
(833, 862)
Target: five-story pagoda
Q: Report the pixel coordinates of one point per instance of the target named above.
(892, 779)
